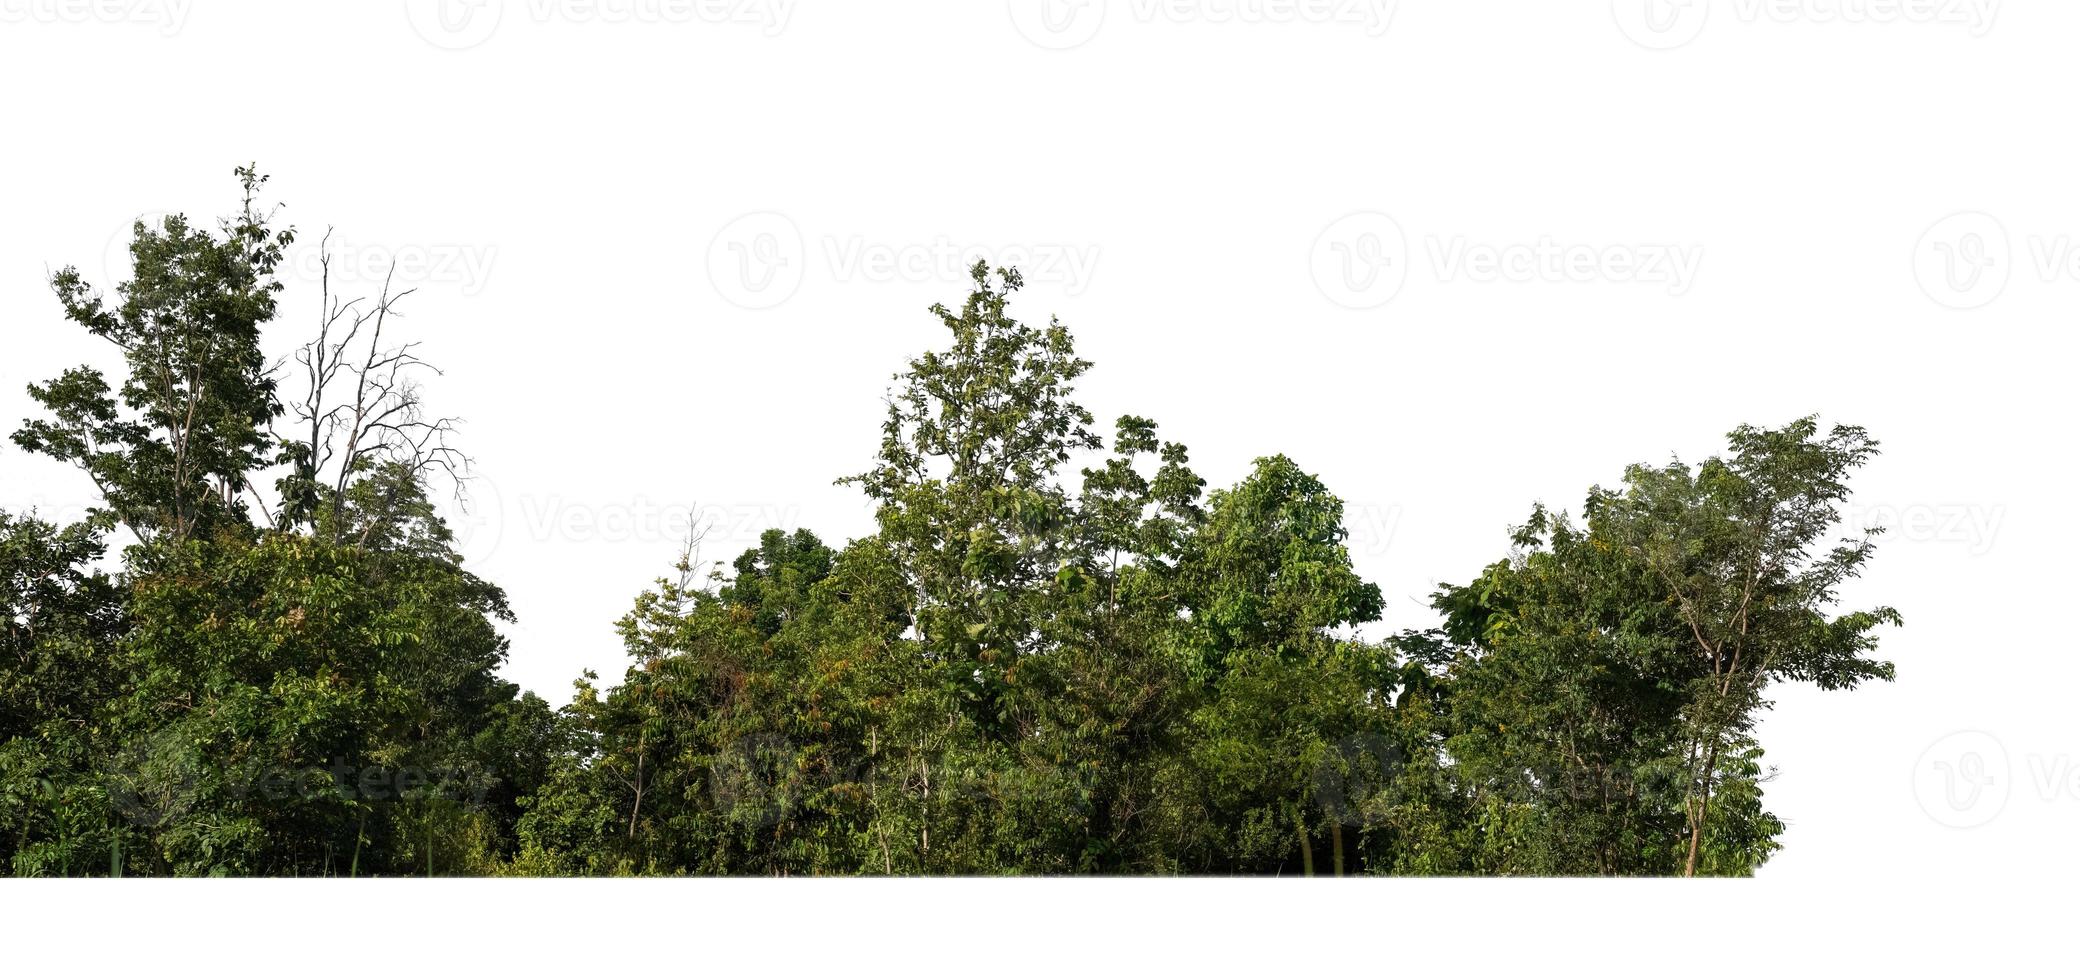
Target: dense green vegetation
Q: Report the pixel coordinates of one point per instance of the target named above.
(1060, 653)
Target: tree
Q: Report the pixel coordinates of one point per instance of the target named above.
(1731, 545)
(1564, 703)
(310, 690)
(298, 707)
(1267, 581)
(1608, 677)
(370, 448)
(1010, 675)
(59, 622)
(965, 479)
(172, 459)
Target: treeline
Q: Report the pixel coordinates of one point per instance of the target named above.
(290, 672)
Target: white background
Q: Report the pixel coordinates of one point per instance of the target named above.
(669, 254)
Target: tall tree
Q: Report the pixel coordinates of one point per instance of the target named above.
(1268, 580)
(1610, 675)
(173, 449)
(965, 477)
(1738, 549)
(258, 650)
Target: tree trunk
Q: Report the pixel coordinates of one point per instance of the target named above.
(1703, 810)
(1306, 849)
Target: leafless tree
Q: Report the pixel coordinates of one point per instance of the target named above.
(360, 408)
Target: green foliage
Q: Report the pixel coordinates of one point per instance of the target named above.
(171, 447)
(1608, 677)
(319, 698)
(302, 708)
(1011, 675)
